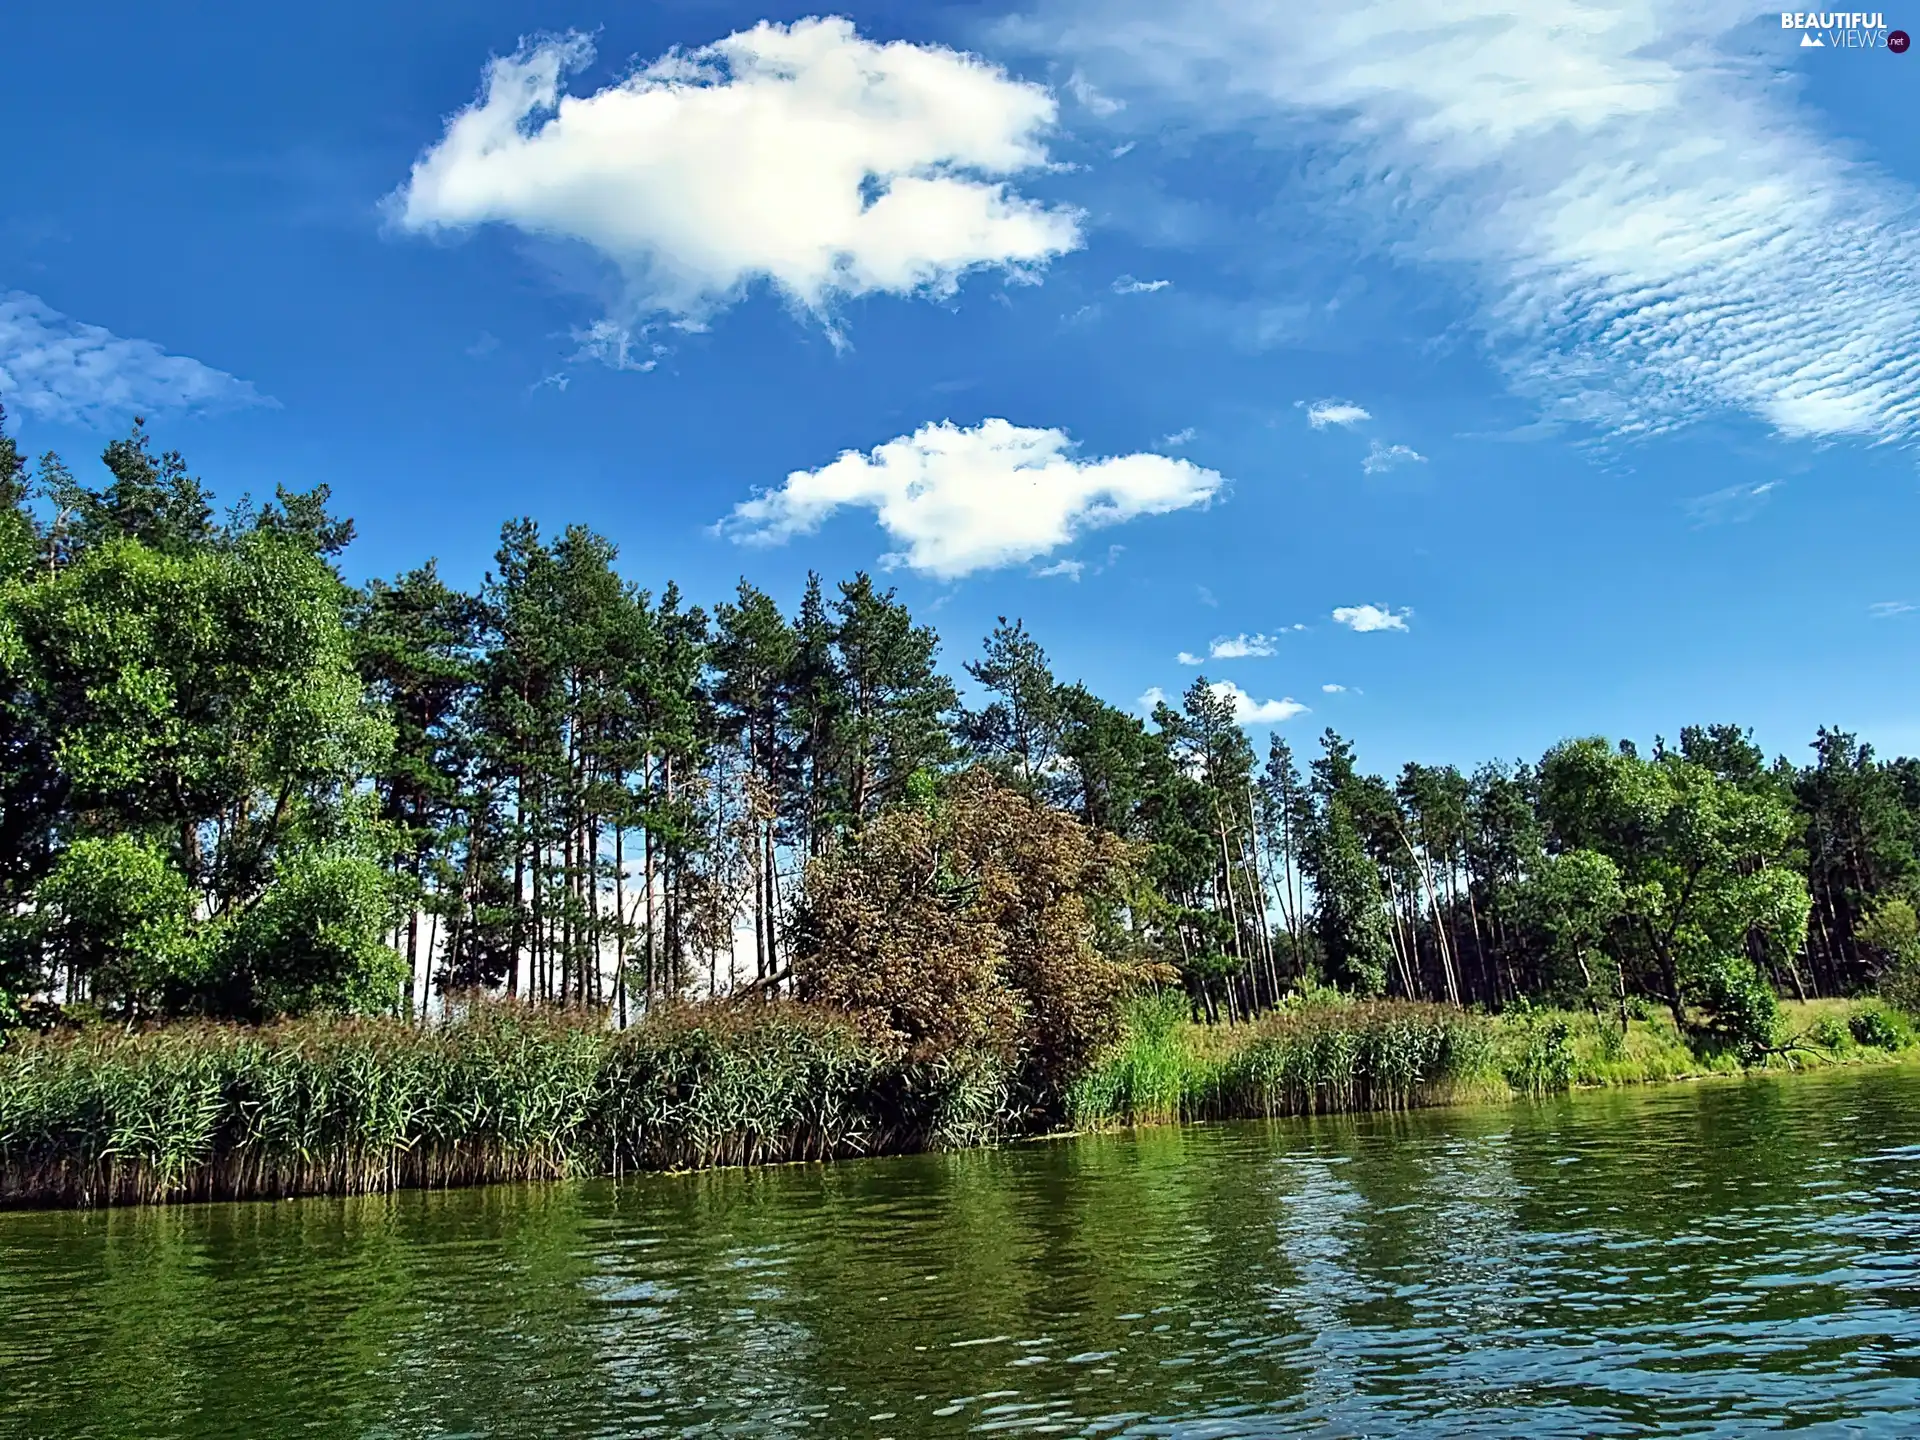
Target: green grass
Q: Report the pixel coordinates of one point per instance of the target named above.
(225, 1112)
(207, 1112)
(1328, 1055)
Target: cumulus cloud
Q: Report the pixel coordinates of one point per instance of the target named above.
(1380, 458)
(1322, 413)
(1331, 689)
(960, 500)
(59, 369)
(1127, 285)
(1648, 225)
(1187, 657)
(1364, 618)
(803, 156)
(1240, 647)
(1249, 711)
(1153, 698)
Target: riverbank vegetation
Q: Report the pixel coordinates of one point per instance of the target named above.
(237, 789)
(1327, 1055)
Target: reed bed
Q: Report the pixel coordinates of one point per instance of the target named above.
(1317, 1058)
(353, 1106)
(1325, 1055)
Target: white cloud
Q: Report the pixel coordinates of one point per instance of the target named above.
(1127, 285)
(1240, 647)
(1887, 609)
(1649, 224)
(1178, 438)
(59, 369)
(1206, 596)
(1062, 569)
(805, 156)
(1731, 504)
(1082, 90)
(1364, 618)
(1380, 458)
(1249, 711)
(1332, 689)
(960, 500)
(1322, 413)
(1187, 657)
(1154, 696)
(615, 346)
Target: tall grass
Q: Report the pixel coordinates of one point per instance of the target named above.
(213, 1112)
(1326, 1054)
(1313, 1058)
(219, 1112)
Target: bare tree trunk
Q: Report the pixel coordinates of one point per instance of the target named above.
(620, 917)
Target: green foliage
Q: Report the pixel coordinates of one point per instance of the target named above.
(1315, 1058)
(1830, 1032)
(1879, 1028)
(119, 911)
(206, 1112)
(1744, 1009)
(315, 938)
(969, 926)
(1539, 1055)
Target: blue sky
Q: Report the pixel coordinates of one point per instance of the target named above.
(1570, 355)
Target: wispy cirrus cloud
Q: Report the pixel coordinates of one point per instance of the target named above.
(1731, 504)
(1127, 285)
(1648, 226)
(802, 156)
(1887, 609)
(1381, 458)
(959, 500)
(59, 369)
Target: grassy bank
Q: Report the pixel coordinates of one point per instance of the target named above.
(1329, 1056)
(210, 1112)
(226, 1112)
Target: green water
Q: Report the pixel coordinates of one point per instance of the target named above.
(1714, 1260)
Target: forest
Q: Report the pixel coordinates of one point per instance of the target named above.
(234, 786)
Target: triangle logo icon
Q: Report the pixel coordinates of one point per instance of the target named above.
(1807, 42)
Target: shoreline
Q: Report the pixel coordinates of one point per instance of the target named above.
(212, 1114)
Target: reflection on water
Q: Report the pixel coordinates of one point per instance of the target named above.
(1715, 1260)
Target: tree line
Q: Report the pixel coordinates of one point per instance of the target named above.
(233, 784)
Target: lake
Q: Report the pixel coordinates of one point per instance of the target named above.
(1721, 1259)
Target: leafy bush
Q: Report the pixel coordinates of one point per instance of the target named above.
(1874, 1027)
(1830, 1032)
(968, 924)
(1744, 1011)
(1542, 1063)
